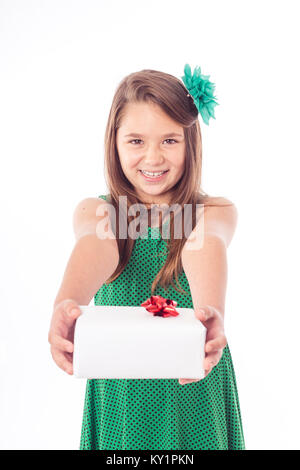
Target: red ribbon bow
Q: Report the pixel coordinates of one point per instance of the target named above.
(160, 306)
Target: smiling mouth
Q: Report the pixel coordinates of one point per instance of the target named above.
(153, 178)
(153, 173)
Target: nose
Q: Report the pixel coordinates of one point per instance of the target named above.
(153, 157)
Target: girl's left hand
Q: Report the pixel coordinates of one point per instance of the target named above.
(215, 338)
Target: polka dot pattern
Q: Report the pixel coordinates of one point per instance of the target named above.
(159, 414)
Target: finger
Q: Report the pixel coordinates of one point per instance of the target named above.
(211, 360)
(71, 313)
(62, 362)
(182, 381)
(187, 381)
(72, 309)
(216, 343)
(207, 370)
(62, 344)
(59, 327)
(68, 309)
(205, 313)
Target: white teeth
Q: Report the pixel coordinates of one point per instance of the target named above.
(148, 173)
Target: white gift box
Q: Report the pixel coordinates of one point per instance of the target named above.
(116, 342)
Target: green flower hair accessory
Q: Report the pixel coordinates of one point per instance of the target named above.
(201, 90)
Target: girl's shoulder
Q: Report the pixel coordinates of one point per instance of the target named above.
(86, 215)
(215, 200)
(220, 216)
(88, 205)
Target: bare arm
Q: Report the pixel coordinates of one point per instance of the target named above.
(92, 261)
(206, 271)
(206, 267)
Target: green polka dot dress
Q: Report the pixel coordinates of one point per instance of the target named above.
(159, 414)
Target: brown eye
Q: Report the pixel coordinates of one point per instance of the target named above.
(139, 140)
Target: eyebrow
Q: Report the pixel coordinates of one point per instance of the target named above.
(171, 134)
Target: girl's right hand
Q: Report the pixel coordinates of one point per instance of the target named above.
(61, 333)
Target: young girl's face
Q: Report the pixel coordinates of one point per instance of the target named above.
(149, 140)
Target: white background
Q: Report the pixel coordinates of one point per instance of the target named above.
(61, 62)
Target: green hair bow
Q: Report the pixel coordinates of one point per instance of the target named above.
(201, 90)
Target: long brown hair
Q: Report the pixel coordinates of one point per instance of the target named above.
(170, 94)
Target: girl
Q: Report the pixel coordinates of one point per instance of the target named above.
(153, 127)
